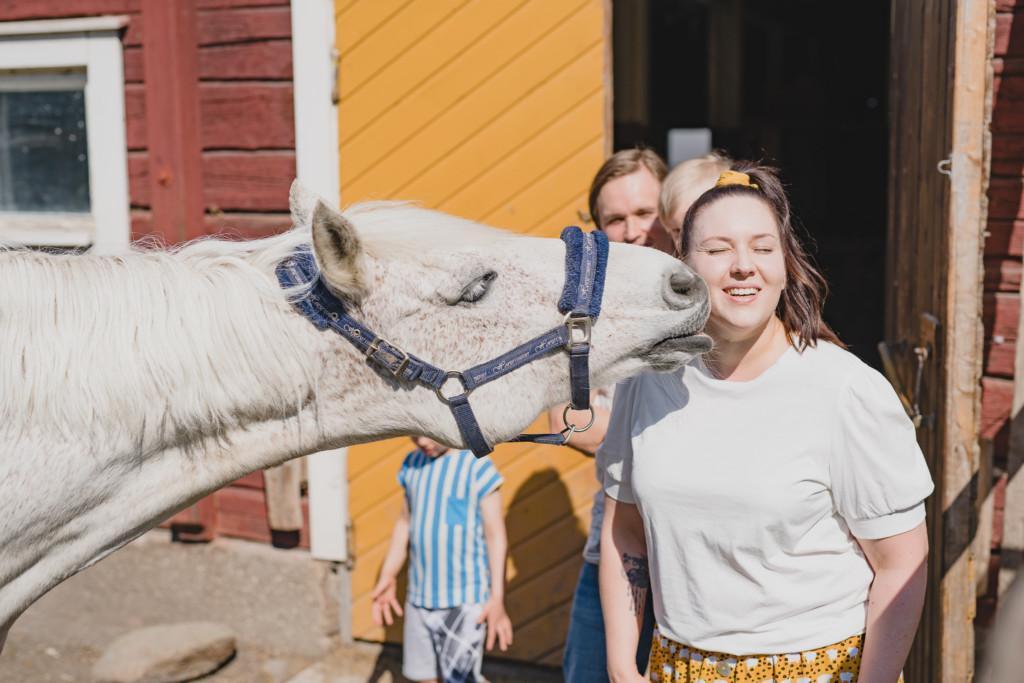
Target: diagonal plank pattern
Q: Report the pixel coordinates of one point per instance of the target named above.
(496, 111)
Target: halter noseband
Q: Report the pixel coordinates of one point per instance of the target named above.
(586, 258)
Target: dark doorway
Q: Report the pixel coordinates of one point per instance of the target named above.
(777, 81)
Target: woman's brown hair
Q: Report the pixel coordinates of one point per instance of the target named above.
(800, 307)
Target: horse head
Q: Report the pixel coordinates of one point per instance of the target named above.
(456, 293)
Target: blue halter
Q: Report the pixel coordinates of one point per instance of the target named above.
(586, 258)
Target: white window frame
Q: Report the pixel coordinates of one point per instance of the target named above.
(93, 46)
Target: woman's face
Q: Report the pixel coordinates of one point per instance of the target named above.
(735, 247)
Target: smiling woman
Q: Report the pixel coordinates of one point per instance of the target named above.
(792, 522)
(754, 258)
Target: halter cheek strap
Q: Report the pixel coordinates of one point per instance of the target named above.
(586, 261)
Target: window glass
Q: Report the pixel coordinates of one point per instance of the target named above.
(44, 163)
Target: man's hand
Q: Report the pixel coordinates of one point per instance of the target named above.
(499, 626)
(385, 599)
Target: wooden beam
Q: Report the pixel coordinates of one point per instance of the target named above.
(971, 112)
(284, 496)
(171, 66)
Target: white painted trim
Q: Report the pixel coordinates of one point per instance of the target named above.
(93, 45)
(316, 160)
(46, 229)
(51, 26)
(316, 115)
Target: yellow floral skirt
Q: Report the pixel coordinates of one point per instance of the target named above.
(673, 662)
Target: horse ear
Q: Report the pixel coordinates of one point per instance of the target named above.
(301, 200)
(338, 252)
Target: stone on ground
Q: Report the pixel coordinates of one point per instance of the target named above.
(166, 654)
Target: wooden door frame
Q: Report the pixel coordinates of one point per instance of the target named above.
(961, 343)
(964, 335)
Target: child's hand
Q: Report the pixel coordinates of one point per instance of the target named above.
(499, 626)
(385, 599)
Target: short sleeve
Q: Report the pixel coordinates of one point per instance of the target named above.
(486, 477)
(879, 475)
(404, 469)
(615, 454)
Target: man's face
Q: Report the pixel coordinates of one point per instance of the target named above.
(627, 209)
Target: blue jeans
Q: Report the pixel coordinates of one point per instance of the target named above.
(585, 660)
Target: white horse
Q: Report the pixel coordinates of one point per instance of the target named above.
(131, 386)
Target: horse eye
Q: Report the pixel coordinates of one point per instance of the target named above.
(476, 289)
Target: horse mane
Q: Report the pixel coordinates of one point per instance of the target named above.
(167, 343)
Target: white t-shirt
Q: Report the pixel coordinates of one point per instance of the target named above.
(752, 493)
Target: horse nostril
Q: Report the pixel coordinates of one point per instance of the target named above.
(684, 287)
(682, 280)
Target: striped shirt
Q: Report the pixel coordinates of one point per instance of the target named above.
(447, 551)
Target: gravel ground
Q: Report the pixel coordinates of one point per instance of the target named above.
(273, 600)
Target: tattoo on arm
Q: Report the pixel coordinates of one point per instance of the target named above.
(634, 568)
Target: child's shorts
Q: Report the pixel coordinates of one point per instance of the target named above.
(446, 644)
(672, 662)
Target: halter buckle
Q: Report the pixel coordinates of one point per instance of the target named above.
(579, 331)
(393, 351)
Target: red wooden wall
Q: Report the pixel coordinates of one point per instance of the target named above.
(1004, 248)
(242, 59)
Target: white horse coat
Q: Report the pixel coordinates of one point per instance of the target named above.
(133, 385)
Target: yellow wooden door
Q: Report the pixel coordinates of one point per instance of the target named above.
(496, 110)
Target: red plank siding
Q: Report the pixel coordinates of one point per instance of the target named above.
(1005, 238)
(17, 10)
(1004, 198)
(1002, 274)
(244, 116)
(264, 60)
(996, 401)
(241, 181)
(224, 26)
(249, 182)
(211, 4)
(999, 358)
(228, 225)
(1001, 313)
(232, 116)
(1004, 31)
(172, 107)
(242, 513)
(1009, 148)
(1008, 66)
(1007, 116)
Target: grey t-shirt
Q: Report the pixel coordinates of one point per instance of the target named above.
(602, 398)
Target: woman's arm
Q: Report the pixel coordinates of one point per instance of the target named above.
(585, 442)
(624, 584)
(499, 626)
(385, 593)
(900, 564)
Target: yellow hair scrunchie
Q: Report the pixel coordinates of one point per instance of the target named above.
(735, 178)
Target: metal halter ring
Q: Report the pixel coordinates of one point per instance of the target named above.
(571, 428)
(453, 374)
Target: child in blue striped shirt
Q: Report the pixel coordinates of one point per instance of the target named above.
(453, 527)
